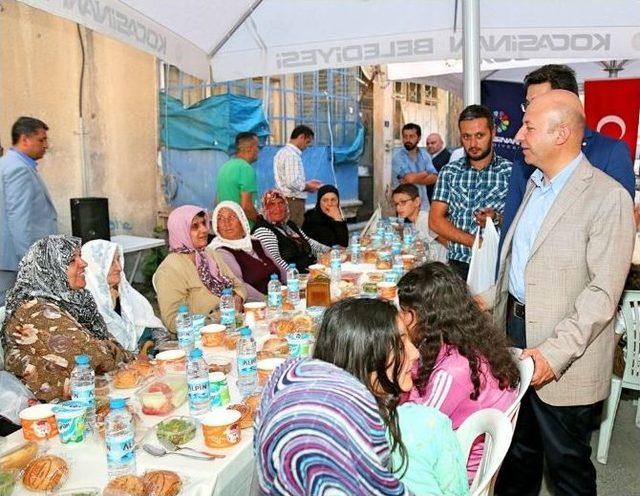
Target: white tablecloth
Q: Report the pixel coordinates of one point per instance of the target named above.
(229, 476)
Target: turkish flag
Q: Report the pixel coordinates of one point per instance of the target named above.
(612, 107)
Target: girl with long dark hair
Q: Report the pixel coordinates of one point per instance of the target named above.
(332, 423)
(465, 362)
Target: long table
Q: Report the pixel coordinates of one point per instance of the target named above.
(230, 476)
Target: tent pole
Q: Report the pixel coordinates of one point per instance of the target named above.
(234, 28)
(471, 51)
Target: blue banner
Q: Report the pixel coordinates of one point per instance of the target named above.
(504, 100)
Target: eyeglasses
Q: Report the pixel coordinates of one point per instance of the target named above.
(524, 105)
(402, 203)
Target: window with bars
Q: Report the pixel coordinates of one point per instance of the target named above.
(325, 100)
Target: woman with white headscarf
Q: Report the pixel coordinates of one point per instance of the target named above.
(244, 255)
(126, 312)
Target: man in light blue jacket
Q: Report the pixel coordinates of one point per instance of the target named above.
(26, 209)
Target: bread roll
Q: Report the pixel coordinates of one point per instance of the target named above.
(19, 457)
(161, 483)
(125, 485)
(45, 473)
(277, 346)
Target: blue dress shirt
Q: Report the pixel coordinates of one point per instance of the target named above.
(402, 164)
(533, 215)
(26, 158)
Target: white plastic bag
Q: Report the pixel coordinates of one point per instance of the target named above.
(14, 396)
(482, 268)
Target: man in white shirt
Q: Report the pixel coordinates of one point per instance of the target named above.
(288, 172)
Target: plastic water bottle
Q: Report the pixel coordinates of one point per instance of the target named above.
(246, 361)
(198, 384)
(396, 246)
(293, 284)
(83, 387)
(184, 329)
(398, 266)
(228, 311)
(336, 264)
(120, 440)
(274, 296)
(408, 238)
(356, 250)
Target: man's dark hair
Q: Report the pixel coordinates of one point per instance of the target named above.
(302, 129)
(244, 138)
(26, 126)
(411, 126)
(407, 189)
(476, 112)
(560, 77)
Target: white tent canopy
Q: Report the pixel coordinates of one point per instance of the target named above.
(233, 39)
(447, 74)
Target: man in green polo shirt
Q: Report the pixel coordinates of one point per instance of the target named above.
(237, 178)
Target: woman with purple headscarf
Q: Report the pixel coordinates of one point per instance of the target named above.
(191, 274)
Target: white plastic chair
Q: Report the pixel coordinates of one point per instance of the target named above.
(525, 367)
(497, 430)
(153, 282)
(631, 377)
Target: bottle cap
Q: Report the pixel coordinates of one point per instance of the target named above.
(292, 266)
(245, 331)
(183, 309)
(195, 353)
(226, 291)
(82, 359)
(274, 277)
(116, 403)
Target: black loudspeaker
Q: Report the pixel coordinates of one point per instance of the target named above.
(90, 218)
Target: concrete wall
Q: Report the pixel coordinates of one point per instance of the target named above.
(40, 69)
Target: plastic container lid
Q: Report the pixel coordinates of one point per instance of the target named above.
(183, 309)
(83, 359)
(195, 353)
(274, 277)
(115, 403)
(245, 331)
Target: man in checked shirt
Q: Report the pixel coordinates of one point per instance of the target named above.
(289, 173)
(470, 189)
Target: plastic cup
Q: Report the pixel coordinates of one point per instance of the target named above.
(299, 344)
(257, 308)
(387, 290)
(221, 428)
(172, 360)
(38, 422)
(218, 381)
(70, 419)
(266, 368)
(316, 270)
(212, 335)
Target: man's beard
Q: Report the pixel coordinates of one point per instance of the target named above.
(483, 155)
(410, 146)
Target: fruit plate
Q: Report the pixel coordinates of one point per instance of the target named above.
(163, 394)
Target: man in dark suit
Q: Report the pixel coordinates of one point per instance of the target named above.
(609, 155)
(439, 156)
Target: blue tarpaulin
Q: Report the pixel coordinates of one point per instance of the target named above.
(199, 139)
(210, 124)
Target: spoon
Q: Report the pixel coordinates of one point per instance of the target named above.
(160, 451)
(172, 448)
